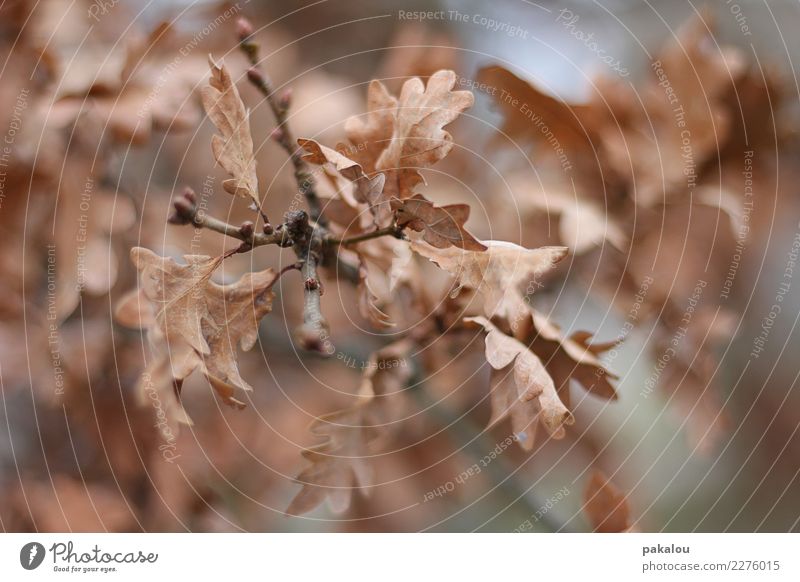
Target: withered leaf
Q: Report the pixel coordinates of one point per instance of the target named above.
(369, 137)
(524, 100)
(398, 137)
(134, 95)
(532, 381)
(368, 303)
(497, 273)
(233, 147)
(367, 190)
(571, 358)
(442, 226)
(340, 463)
(194, 323)
(582, 223)
(606, 506)
(681, 120)
(418, 140)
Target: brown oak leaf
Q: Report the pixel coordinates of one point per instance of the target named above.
(680, 119)
(418, 140)
(497, 273)
(367, 190)
(368, 301)
(140, 92)
(583, 224)
(340, 464)
(233, 147)
(571, 358)
(442, 226)
(523, 100)
(369, 136)
(401, 136)
(606, 506)
(193, 323)
(534, 396)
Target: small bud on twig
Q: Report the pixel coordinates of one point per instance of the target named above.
(184, 206)
(285, 100)
(256, 77)
(277, 135)
(177, 219)
(247, 229)
(314, 338)
(244, 29)
(189, 194)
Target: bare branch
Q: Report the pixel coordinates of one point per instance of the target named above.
(393, 230)
(282, 133)
(187, 212)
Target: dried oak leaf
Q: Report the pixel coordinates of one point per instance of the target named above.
(496, 273)
(140, 92)
(532, 385)
(606, 506)
(582, 224)
(85, 219)
(442, 226)
(418, 140)
(367, 190)
(369, 136)
(193, 323)
(571, 357)
(340, 463)
(568, 142)
(681, 120)
(233, 147)
(401, 136)
(368, 301)
(651, 142)
(523, 100)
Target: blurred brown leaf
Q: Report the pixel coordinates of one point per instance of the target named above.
(606, 506)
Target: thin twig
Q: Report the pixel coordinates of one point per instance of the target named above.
(306, 233)
(282, 133)
(187, 212)
(256, 239)
(308, 246)
(313, 335)
(286, 269)
(393, 230)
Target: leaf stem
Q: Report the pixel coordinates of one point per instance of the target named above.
(393, 230)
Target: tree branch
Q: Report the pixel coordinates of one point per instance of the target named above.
(187, 212)
(282, 134)
(313, 335)
(393, 230)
